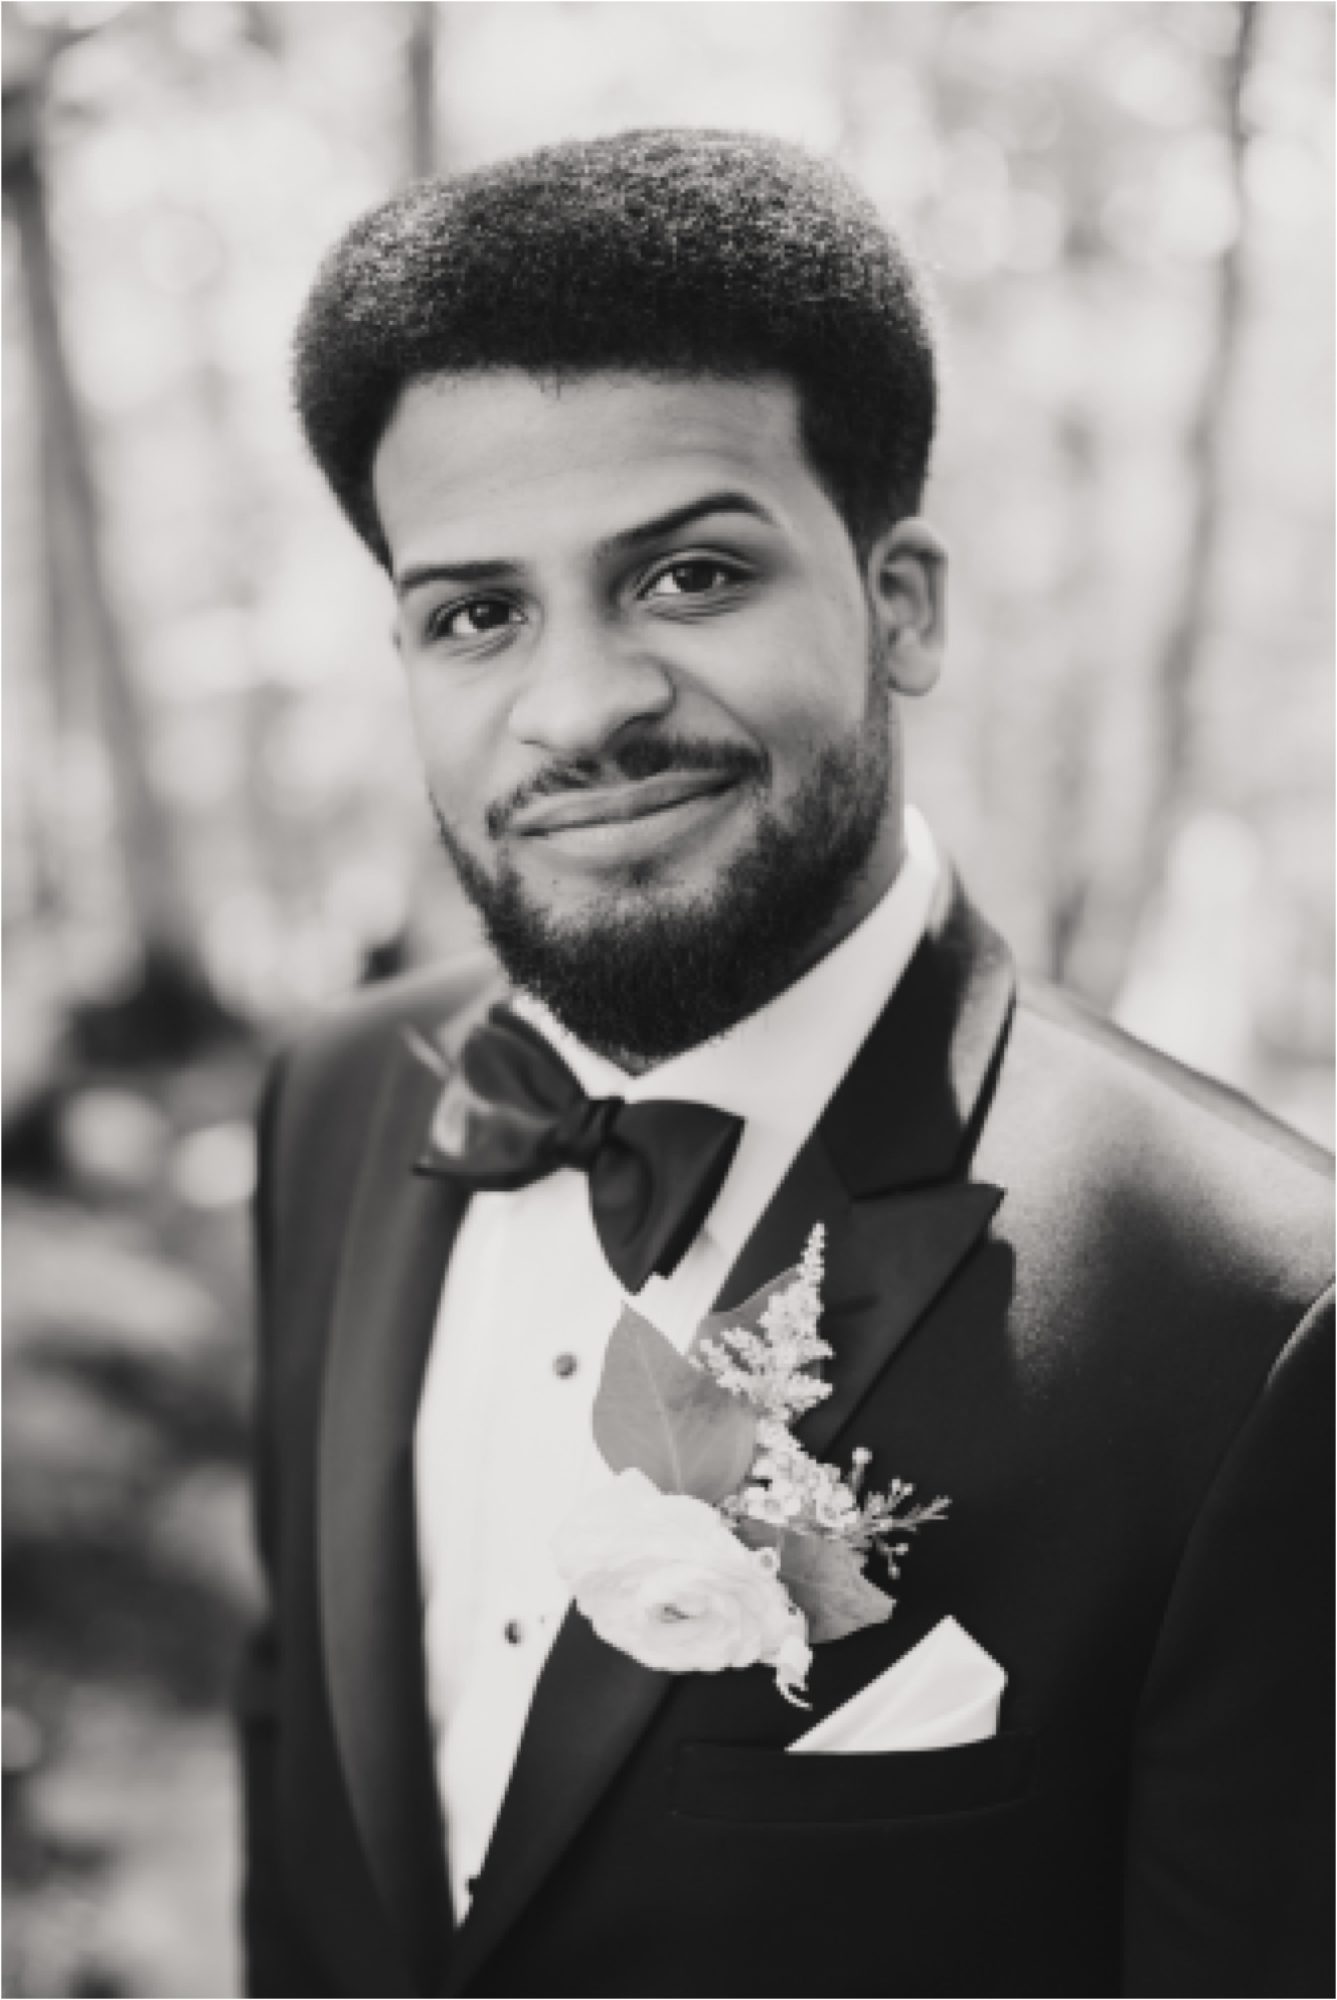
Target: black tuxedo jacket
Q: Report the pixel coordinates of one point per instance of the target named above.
(1068, 1284)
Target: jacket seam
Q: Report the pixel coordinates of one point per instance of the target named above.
(1321, 1297)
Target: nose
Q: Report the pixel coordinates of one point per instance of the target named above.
(585, 686)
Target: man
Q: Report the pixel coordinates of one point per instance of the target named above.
(638, 430)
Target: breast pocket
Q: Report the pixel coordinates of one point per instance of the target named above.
(723, 1781)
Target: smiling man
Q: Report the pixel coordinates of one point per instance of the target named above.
(693, 798)
(638, 430)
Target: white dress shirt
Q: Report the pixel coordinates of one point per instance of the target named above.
(503, 1445)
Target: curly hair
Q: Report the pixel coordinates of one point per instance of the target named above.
(672, 253)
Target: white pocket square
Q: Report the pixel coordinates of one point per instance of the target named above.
(945, 1691)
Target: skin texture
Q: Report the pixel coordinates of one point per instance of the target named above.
(555, 663)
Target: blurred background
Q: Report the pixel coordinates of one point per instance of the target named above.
(212, 816)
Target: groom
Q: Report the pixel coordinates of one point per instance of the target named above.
(638, 430)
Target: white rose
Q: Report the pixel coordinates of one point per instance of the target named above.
(660, 1576)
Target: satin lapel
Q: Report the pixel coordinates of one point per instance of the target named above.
(886, 1170)
(904, 1115)
(900, 1133)
(392, 1268)
(909, 1109)
(591, 1707)
(887, 1258)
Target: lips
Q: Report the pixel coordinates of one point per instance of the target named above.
(611, 805)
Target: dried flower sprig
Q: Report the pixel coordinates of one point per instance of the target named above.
(769, 1369)
(787, 1487)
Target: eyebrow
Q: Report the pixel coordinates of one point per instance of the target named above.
(677, 518)
(683, 517)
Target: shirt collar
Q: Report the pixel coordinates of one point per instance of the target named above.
(779, 1068)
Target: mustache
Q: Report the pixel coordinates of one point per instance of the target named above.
(638, 758)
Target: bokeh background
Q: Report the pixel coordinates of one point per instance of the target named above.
(211, 813)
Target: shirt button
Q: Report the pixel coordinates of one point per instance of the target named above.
(514, 1631)
(564, 1365)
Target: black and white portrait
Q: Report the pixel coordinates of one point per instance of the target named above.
(669, 889)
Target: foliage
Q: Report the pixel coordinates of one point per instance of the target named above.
(659, 1413)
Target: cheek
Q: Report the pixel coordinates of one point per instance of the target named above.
(804, 701)
(801, 679)
(460, 739)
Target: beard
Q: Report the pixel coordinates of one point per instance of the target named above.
(647, 971)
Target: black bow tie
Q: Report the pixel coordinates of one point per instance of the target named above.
(513, 1112)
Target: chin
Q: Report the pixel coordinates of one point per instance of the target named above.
(661, 884)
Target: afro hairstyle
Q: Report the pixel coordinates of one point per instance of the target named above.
(672, 253)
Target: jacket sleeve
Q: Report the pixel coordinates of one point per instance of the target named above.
(278, 1960)
(1229, 1864)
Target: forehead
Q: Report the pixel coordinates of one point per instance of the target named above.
(469, 457)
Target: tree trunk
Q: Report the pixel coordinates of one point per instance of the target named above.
(1121, 912)
(1183, 649)
(156, 893)
(172, 982)
(420, 60)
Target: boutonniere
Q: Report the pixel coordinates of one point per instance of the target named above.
(722, 1542)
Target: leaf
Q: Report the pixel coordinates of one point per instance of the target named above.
(825, 1580)
(671, 1421)
(748, 1315)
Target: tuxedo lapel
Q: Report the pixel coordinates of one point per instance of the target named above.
(900, 1132)
(908, 1111)
(889, 1257)
(590, 1708)
(391, 1273)
(886, 1169)
(884, 1172)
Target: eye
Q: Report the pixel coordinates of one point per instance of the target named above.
(696, 577)
(475, 618)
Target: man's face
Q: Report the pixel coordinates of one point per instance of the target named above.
(645, 680)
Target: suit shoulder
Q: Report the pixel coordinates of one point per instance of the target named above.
(1134, 1148)
(325, 1081)
(1214, 1111)
(359, 1027)
(327, 1070)
(1169, 1241)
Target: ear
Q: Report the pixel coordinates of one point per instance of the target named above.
(906, 580)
